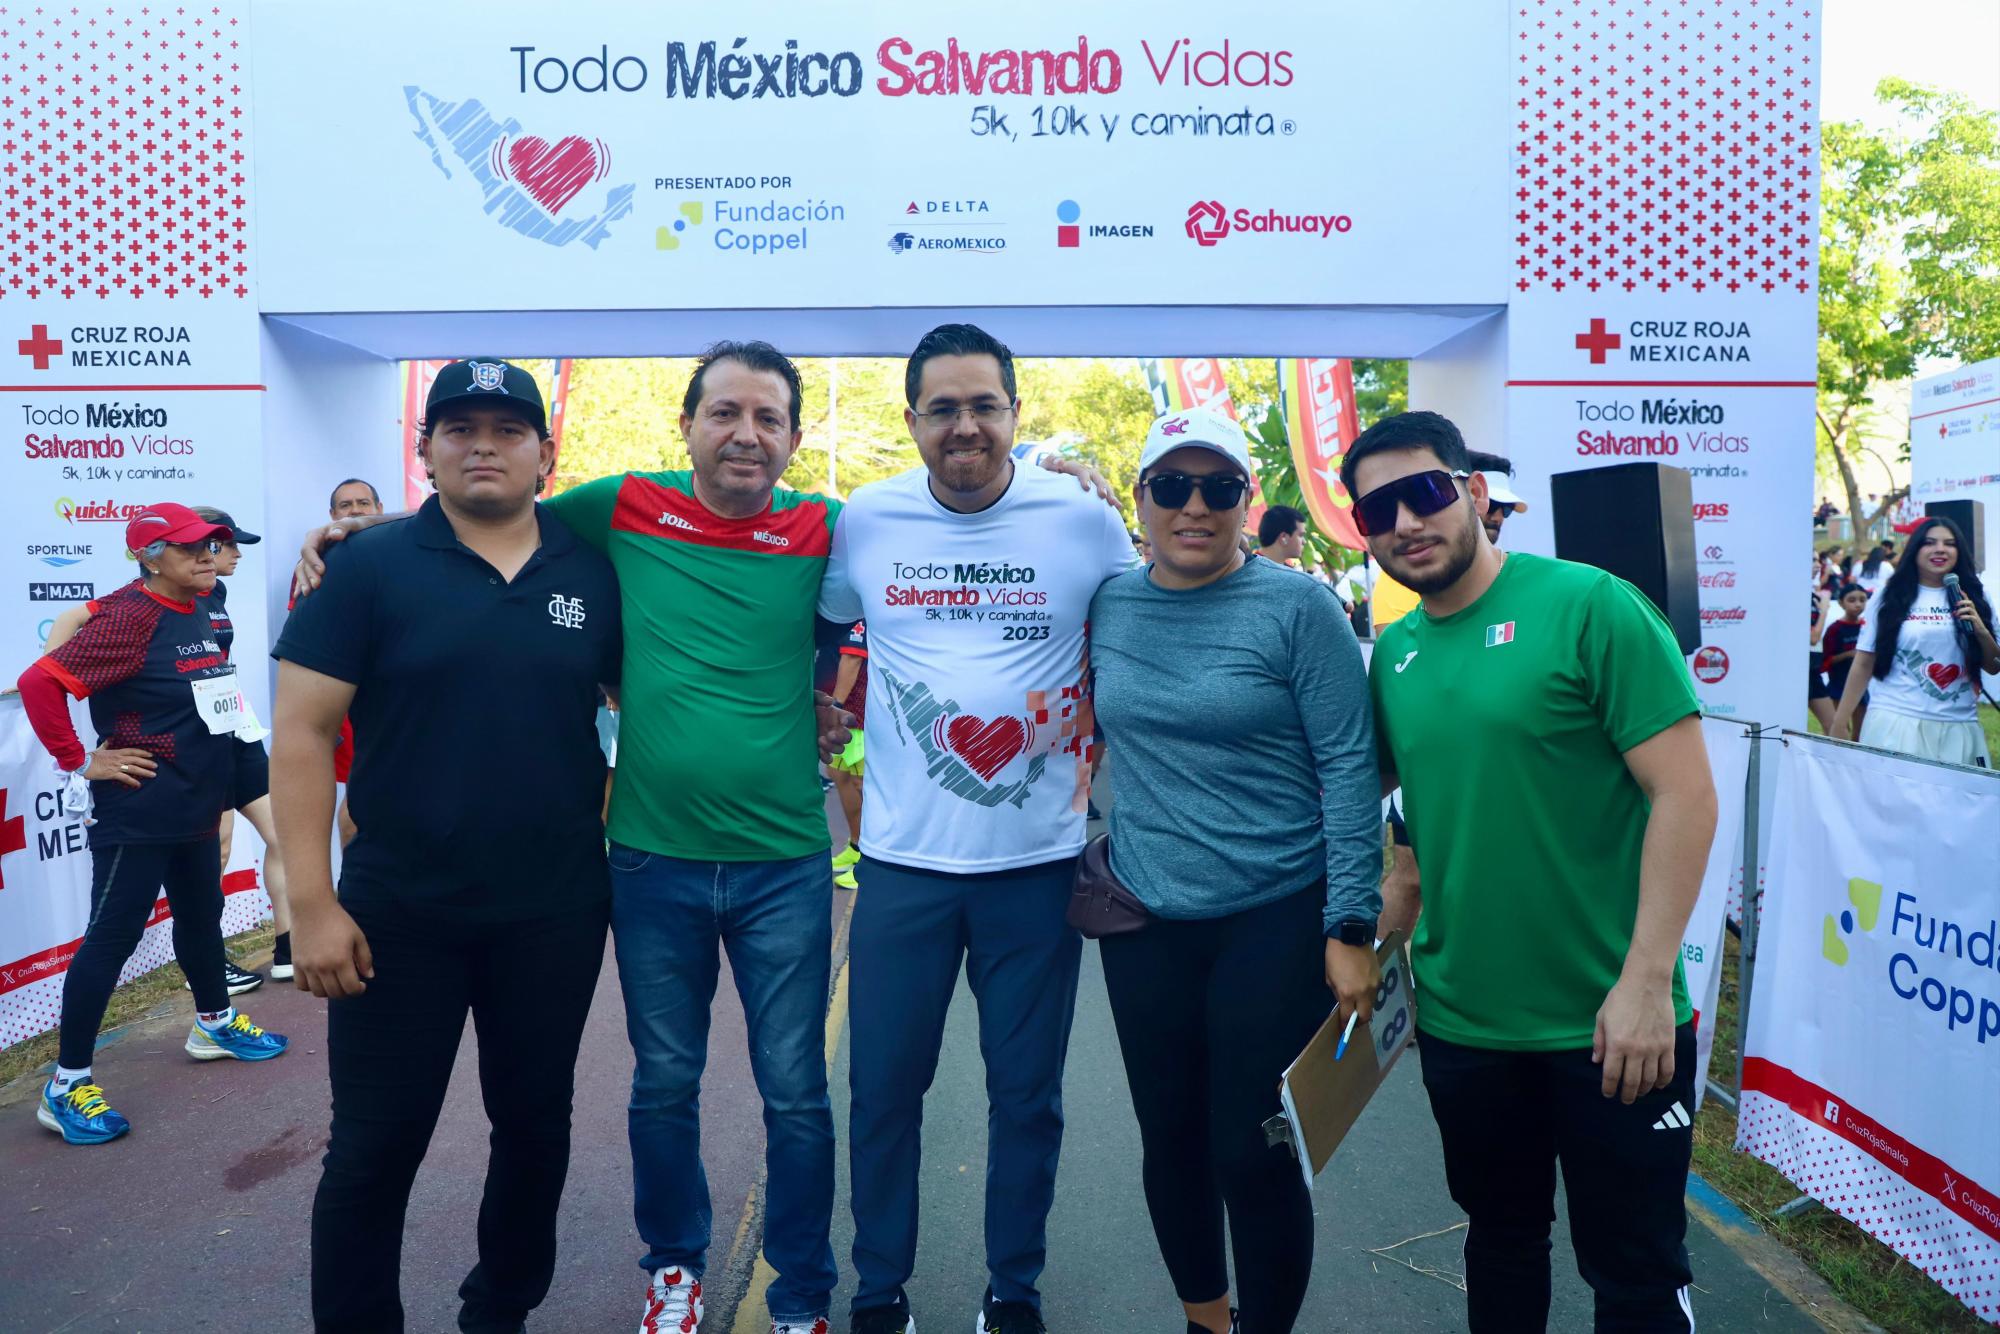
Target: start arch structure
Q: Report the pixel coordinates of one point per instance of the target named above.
(1591, 227)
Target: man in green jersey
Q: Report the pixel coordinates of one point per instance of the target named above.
(1540, 705)
(717, 823)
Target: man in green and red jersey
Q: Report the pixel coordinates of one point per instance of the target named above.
(717, 823)
(1541, 706)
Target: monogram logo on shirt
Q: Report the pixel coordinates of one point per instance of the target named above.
(566, 612)
(1406, 661)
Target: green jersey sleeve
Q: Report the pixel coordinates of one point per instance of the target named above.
(1635, 675)
(587, 509)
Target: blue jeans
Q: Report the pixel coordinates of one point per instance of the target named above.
(912, 931)
(775, 919)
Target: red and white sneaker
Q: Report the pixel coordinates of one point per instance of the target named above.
(818, 1326)
(673, 1303)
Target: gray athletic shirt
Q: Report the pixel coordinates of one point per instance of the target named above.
(1241, 743)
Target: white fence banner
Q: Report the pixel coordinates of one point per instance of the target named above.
(45, 884)
(1872, 1064)
(1701, 944)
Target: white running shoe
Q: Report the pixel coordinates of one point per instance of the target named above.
(673, 1303)
(818, 1326)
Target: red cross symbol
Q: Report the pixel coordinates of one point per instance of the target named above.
(13, 833)
(40, 346)
(1599, 342)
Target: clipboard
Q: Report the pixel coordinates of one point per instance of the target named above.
(1322, 1097)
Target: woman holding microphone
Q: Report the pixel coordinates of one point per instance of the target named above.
(164, 699)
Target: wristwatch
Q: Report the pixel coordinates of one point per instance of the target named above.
(1353, 931)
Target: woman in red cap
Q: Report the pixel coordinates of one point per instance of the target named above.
(164, 700)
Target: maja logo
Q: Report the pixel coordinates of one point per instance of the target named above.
(1208, 222)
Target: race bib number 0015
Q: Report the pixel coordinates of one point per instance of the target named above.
(220, 703)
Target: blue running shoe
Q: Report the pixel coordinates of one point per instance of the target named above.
(80, 1116)
(239, 1038)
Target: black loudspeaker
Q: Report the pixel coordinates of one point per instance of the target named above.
(1637, 521)
(1970, 516)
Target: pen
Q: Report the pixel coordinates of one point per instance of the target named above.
(1346, 1033)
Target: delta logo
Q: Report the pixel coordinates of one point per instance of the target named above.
(1208, 222)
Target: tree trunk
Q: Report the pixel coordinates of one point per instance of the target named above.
(1837, 442)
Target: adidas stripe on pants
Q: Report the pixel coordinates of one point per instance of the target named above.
(1507, 1119)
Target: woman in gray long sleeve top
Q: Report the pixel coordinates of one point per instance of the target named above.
(1246, 817)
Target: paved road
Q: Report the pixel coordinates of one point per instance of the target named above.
(199, 1219)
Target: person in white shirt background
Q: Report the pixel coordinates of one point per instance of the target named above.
(1920, 654)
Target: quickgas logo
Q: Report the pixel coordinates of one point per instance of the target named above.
(1925, 966)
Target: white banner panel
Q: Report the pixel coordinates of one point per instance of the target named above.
(619, 156)
(1872, 1061)
(1955, 446)
(1701, 944)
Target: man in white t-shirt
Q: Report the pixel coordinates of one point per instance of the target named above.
(975, 578)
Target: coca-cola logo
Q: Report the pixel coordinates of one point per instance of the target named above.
(1719, 579)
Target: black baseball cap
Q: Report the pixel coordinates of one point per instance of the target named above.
(487, 380)
(240, 535)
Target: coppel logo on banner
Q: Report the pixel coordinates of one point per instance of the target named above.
(766, 227)
(1976, 943)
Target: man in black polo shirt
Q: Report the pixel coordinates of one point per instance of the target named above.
(463, 638)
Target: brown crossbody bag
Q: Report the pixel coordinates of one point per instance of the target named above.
(1099, 905)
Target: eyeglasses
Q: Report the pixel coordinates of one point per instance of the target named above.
(943, 419)
(1424, 492)
(1499, 509)
(1219, 490)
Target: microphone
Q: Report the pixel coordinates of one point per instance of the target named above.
(1952, 597)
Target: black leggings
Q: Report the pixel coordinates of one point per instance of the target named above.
(125, 881)
(1209, 1014)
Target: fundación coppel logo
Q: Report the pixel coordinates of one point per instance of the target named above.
(669, 237)
(1865, 898)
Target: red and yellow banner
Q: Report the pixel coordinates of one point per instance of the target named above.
(1317, 395)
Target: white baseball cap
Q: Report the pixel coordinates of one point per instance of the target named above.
(1196, 426)
(1497, 489)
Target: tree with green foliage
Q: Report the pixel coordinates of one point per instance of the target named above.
(1909, 257)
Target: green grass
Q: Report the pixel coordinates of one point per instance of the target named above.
(1864, 1273)
(148, 996)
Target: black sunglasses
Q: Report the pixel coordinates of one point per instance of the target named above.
(1220, 490)
(1424, 492)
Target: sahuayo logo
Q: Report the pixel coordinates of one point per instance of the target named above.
(1924, 939)
(1208, 222)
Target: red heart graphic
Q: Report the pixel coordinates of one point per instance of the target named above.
(552, 173)
(1942, 673)
(986, 747)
